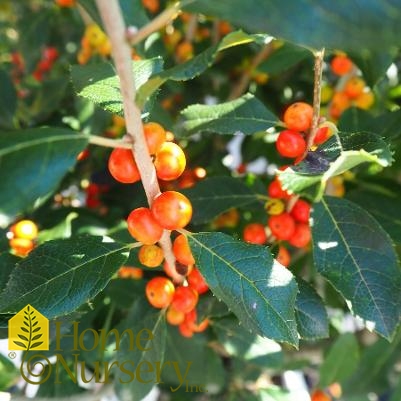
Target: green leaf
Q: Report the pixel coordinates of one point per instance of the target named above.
(354, 253)
(384, 208)
(153, 345)
(341, 361)
(254, 349)
(7, 263)
(334, 157)
(310, 313)
(8, 373)
(197, 65)
(260, 293)
(61, 275)
(32, 164)
(356, 24)
(216, 195)
(8, 101)
(355, 120)
(100, 84)
(246, 114)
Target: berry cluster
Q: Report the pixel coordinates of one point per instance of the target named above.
(66, 3)
(170, 210)
(22, 237)
(93, 42)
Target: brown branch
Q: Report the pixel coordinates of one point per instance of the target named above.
(108, 142)
(317, 88)
(191, 28)
(157, 23)
(243, 83)
(121, 51)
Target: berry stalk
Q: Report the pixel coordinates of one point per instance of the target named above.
(114, 25)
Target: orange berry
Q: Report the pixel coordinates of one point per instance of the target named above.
(21, 246)
(65, 3)
(174, 316)
(319, 395)
(151, 255)
(365, 100)
(155, 136)
(122, 166)
(151, 5)
(197, 282)
(185, 299)
(298, 116)
(341, 65)
(283, 256)
(339, 103)
(130, 272)
(184, 51)
(170, 161)
(255, 233)
(25, 229)
(185, 331)
(160, 292)
(143, 226)
(182, 251)
(172, 210)
(354, 87)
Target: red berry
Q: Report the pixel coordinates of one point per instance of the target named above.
(275, 190)
(301, 211)
(322, 135)
(301, 236)
(290, 144)
(197, 282)
(172, 210)
(283, 256)
(185, 299)
(298, 116)
(182, 251)
(282, 226)
(160, 292)
(255, 233)
(155, 136)
(169, 162)
(341, 65)
(185, 331)
(143, 227)
(122, 166)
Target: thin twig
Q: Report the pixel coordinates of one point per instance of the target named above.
(108, 142)
(245, 78)
(121, 51)
(191, 28)
(157, 23)
(86, 18)
(317, 87)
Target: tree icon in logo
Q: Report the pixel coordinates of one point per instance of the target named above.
(28, 330)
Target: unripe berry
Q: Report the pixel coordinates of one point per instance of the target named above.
(143, 226)
(25, 229)
(172, 210)
(282, 226)
(298, 116)
(274, 206)
(151, 255)
(255, 233)
(290, 144)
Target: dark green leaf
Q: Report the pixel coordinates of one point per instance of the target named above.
(355, 120)
(388, 125)
(195, 66)
(8, 101)
(32, 164)
(61, 275)
(261, 293)
(246, 114)
(216, 195)
(356, 255)
(334, 157)
(356, 25)
(310, 313)
(7, 263)
(153, 321)
(341, 361)
(99, 83)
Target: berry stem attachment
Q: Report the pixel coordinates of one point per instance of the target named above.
(110, 13)
(317, 86)
(155, 24)
(109, 143)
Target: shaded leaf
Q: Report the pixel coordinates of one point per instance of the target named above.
(8, 101)
(260, 293)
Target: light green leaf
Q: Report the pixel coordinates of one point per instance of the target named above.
(59, 276)
(260, 293)
(354, 253)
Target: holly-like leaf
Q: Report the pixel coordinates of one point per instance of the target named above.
(310, 313)
(197, 65)
(100, 84)
(246, 114)
(334, 157)
(61, 275)
(32, 164)
(356, 24)
(259, 292)
(153, 344)
(354, 253)
(341, 360)
(216, 195)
